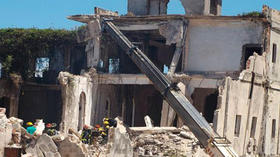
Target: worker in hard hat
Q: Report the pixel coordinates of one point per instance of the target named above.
(95, 133)
(86, 135)
(109, 121)
(30, 128)
(102, 132)
(50, 129)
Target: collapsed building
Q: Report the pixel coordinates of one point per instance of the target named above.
(226, 65)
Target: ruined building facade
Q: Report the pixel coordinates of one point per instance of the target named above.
(228, 67)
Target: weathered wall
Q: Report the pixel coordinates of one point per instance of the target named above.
(274, 71)
(72, 86)
(106, 103)
(250, 96)
(212, 43)
(235, 101)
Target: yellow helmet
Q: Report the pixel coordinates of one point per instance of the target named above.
(107, 127)
(100, 129)
(29, 123)
(103, 133)
(106, 122)
(105, 119)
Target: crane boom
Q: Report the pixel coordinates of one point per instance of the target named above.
(215, 145)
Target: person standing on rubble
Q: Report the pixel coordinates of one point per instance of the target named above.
(30, 128)
(95, 133)
(86, 135)
(109, 122)
(50, 129)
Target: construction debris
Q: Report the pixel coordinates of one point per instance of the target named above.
(149, 141)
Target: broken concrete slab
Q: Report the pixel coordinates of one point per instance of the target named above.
(44, 146)
(152, 130)
(5, 131)
(119, 143)
(71, 146)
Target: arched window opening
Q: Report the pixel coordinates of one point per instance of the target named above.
(82, 106)
(107, 108)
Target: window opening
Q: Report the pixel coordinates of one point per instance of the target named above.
(165, 69)
(273, 128)
(213, 7)
(274, 53)
(249, 50)
(237, 125)
(114, 65)
(82, 104)
(42, 65)
(253, 127)
(107, 108)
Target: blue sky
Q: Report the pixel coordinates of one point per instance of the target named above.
(52, 13)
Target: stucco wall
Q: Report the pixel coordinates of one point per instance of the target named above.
(216, 45)
(109, 93)
(249, 97)
(71, 87)
(274, 70)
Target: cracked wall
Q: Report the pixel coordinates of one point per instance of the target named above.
(251, 98)
(72, 86)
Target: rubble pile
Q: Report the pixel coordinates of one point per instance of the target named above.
(179, 142)
(44, 146)
(5, 131)
(153, 141)
(122, 141)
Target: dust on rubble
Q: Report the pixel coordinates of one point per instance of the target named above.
(164, 143)
(122, 141)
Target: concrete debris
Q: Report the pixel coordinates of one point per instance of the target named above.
(100, 11)
(122, 141)
(148, 121)
(71, 146)
(40, 126)
(119, 143)
(44, 146)
(165, 141)
(167, 144)
(16, 133)
(5, 131)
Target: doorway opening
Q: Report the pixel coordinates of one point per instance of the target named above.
(205, 101)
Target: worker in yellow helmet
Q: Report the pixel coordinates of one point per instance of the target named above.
(30, 128)
(106, 123)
